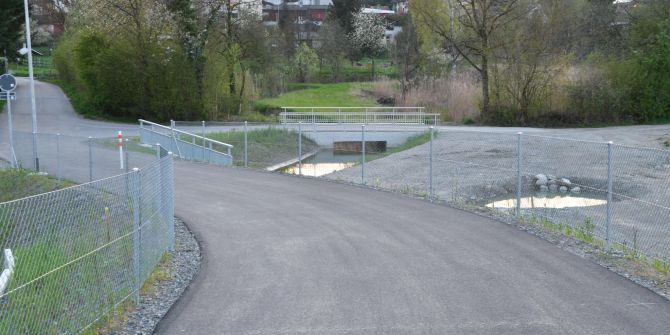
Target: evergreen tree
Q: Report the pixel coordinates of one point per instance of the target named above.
(343, 12)
(11, 19)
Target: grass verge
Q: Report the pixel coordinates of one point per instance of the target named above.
(410, 143)
(266, 147)
(20, 183)
(320, 95)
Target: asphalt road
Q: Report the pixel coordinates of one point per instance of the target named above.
(287, 255)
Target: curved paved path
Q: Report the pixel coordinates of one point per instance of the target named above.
(287, 255)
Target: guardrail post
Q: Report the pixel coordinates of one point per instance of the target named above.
(209, 154)
(300, 147)
(430, 165)
(518, 172)
(363, 154)
(90, 158)
(608, 214)
(246, 146)
(137, 237)
(58, 176)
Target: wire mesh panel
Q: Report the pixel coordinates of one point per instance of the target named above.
(80, 159)
(474, 168)
(565, 181)
(82, 250)
(641, 200)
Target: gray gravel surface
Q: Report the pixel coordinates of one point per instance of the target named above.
(475, 168)
(183, 266)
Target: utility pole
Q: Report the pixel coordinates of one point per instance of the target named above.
(32, 84)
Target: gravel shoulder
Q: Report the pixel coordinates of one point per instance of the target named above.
(183, 266)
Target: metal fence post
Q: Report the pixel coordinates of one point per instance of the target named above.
(430, 165)
(12, 153)
(90, 158)
(137, 239)
(168, 181)
(246, 146)
(518, 172)
(363, 154)
(608, 213)
(203, 140)
(58, 176)
(300, 148)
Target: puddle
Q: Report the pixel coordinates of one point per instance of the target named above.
(549, 201)
(325, 162)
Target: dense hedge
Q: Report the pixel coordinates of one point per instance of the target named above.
(120, 81)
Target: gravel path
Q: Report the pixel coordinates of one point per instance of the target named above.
(183, 265)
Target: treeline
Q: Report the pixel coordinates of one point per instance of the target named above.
(546, 62)
(191, 59)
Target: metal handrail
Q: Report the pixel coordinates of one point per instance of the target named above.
(366, 117)
(339, 108)
(206, 142)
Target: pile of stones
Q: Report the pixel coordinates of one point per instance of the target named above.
(549, 183)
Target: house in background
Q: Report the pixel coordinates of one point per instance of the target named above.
(400, 7)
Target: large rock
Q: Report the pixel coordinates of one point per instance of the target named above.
(544, 188)
(553, 187)
(564, 182)
(576, 190)
(541, 182)
(563, 189)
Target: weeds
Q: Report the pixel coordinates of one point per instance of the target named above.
(266, 147)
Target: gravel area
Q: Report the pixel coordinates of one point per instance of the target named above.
(183, 265)
(477, 168)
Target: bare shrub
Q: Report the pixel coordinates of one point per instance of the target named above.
(456, 97)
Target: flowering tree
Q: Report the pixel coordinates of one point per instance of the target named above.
(368, 35)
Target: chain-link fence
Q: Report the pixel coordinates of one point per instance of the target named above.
(610, 195)
(83, 251)
(80, 159)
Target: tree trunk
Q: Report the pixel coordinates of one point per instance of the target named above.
(244, 79)
(485, 87)
(373, 69)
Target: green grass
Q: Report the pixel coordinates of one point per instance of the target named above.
(360, 70)
(43, 68)
(266, 147)
(320, 95)
(20, 183)
(132, 144)
(410, 143)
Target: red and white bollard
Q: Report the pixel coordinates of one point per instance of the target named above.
(120, 144)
